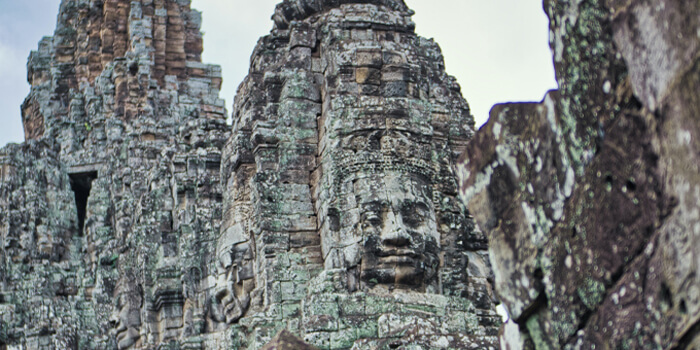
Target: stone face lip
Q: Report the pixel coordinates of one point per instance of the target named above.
(285, 340)
(297, 10)
(590, 199)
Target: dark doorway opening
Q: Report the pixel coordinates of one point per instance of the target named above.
(81, 183)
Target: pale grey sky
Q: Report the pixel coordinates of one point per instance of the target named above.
(497, 49)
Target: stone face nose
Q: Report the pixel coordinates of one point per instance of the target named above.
(394, 233)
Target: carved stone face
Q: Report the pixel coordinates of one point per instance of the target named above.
(397, 230)
(236, 276)
(126, 319)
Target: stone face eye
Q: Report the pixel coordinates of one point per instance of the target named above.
(414, 214)
(371, 219)
(241, 252)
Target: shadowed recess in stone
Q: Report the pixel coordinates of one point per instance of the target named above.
(81, 183)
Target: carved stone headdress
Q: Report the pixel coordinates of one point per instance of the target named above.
(295, 10)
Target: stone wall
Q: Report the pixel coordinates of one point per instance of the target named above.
(110, 209)
(590, 198)
(132, 217)
(340, 193)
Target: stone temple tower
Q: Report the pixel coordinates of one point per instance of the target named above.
(134, 217)
(110, 207)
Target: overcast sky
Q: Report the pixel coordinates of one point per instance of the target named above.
(497, 49)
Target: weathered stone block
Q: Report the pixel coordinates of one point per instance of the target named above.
(369, 58)
(365, 75)
(302, 34)
(597, 238)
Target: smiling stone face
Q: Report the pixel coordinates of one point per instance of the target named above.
(126, 318)
(398, 230)
(395, 230)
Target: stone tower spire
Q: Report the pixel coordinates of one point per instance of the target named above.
(109, 208)
(121, 64)
(340, 193)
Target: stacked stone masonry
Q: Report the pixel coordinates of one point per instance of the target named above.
(133, 216)
(590, 198)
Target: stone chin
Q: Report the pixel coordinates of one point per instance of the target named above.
(409, 267)
(232, 308)
(126, 338)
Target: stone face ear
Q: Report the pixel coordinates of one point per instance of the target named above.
(216, 310)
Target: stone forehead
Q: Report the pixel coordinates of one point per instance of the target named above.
(393, 187)
(296, 10)
(351, 168)
(393, 178)
(128, 288)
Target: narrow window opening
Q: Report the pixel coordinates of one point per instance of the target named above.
(81, 183)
